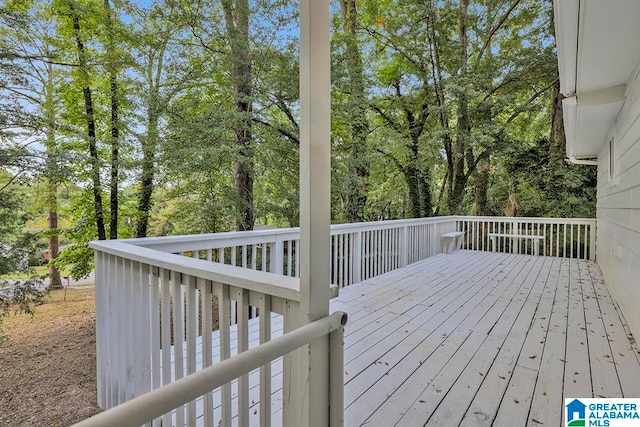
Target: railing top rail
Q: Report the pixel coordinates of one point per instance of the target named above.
(238, 238)
(267, 283)
(527, 219)
(160, 401)
(260, 236)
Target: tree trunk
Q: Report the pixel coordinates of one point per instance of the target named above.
(148, 165)
(481, 183)
(459, 175)
(358, 122)
(91, 128)
(51, 188)
(426, 205)
(115, 131)
(237, 23)
(558, 140)
(150, 142)
(413, 182)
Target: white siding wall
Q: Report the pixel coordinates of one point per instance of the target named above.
(618, 210)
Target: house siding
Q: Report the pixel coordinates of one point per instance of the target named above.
(618, 210)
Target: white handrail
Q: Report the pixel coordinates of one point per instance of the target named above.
(260, 281)
(152, 405)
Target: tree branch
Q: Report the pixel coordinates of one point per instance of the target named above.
(492, 32)
(12, 55)
(13, 178)
(523, 107)
(387, 119)
(278, 129)
(393, 159)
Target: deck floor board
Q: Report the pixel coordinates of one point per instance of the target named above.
(474, 339)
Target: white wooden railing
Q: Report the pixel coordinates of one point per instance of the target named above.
(154, 323)
(159, 299)
(358, 251)
(561, 237)
(153, 405)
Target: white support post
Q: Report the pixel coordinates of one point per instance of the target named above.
(277, 256)
(592, 241)
(404, 246)
(311, 371)
(357, 257)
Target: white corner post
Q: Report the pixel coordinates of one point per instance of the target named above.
(306, 393)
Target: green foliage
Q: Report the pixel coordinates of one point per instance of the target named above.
(544, 188)
(21, 296)
(397, 133)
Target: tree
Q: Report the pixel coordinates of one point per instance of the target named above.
(28, 79)
(404, 97)
(236, 15)
(83, 78)
(159, 44)
(358, 121)
(114, 125)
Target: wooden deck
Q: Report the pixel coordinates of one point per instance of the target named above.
(480, 338)
(473, 339)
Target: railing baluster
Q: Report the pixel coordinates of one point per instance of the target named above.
(254, 256)
(100, 288)
(387, 254)
(165, 325)
(178, 336)
(265, 370)
(357, 257)
(335, 260)
(224, 326)
(297, 254)
(144, 338)
(206, 294)
(112, 329)
(192, 333)
(242, 298)
(155, 332)
(343, 253)
(244, 256)
(132, 364)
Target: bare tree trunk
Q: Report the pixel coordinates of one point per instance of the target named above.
(236, 14)
(115, 131)
(359, 163)
(51, 188)
(91, 128)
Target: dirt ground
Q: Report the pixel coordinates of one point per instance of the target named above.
(48, 362)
